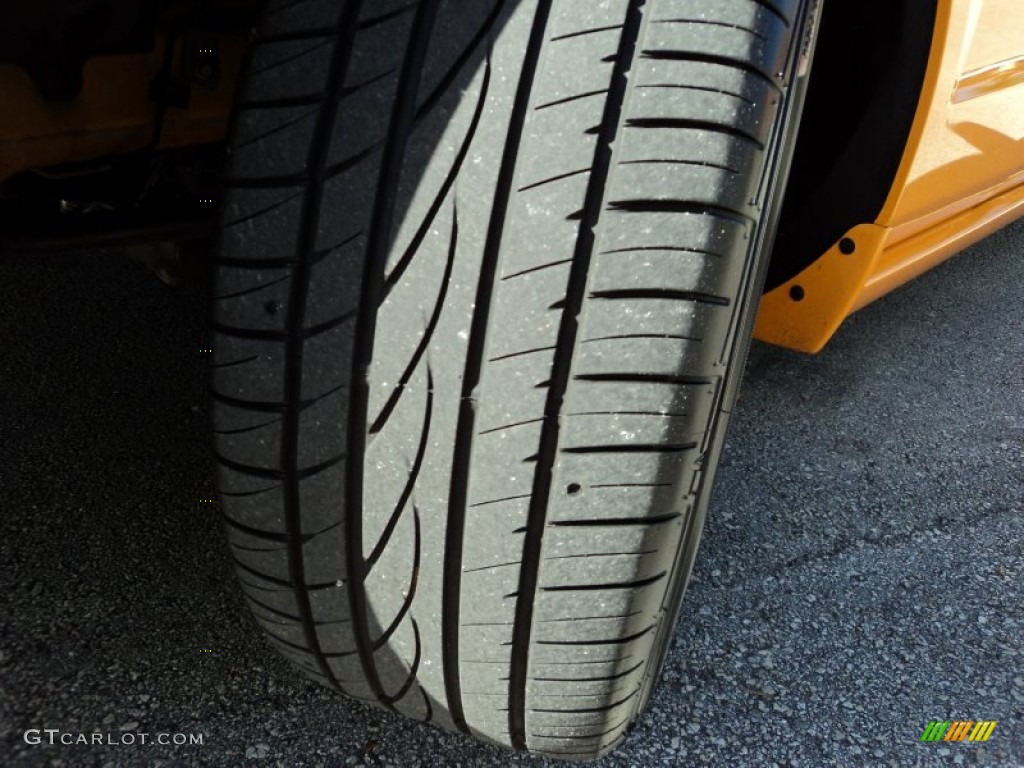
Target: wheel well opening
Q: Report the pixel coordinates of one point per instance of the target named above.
(866, 81)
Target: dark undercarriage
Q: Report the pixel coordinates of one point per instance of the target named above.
(866, 80)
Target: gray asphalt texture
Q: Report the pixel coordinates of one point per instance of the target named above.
(861, 572)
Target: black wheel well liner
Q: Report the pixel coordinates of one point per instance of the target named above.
(866, 81)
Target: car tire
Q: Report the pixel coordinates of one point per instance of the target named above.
(485, 286)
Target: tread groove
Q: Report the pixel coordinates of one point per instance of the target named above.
(263, 211)
(491, 568)
(287, 583)
(482, 34)
(233, 363)
(613, 729)
(413, 669)
(680, 206)
(635, 584)
(666, 414)
(709, 22)
(261, 406)
(270, 608)
(561, 373)
(681, 123)
(286, 101)
(581, 33)
(275, 130)
(409, 593)
(559, 177)
(303, 649)
(588, 710)
(475, 355)
(618, 521)
(352, 161)
(242, 431)
(277, 474)
(510, 426)
(385, 200)
(703, 88)
(594, 557)
(282, 336)
(674, 248)
(261, 587)
(429, 716)
(520, 354)
(254, 289)
(257, 549)
(570, 99)
(711, 58)
(616, 660)
(275, 535)
(589, 618)
(632, 448)
(291, 37)
(350, 90)
(627, 336)
(662, 293)
(549, 265)
(498, 501)
(611, 641)
(645, 378)
(295, 56)
(602, 679)
(406, 259)
(375, 20)
(260, 264)
(633, 485)
(696, 164)
(242, 494)
(410, 482)
(428, 332)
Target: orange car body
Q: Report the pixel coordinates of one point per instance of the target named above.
(960, 178)
(112, 115)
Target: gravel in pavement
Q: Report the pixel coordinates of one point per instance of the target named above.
(861, 572)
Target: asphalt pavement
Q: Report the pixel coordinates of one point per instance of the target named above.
(861, 573)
